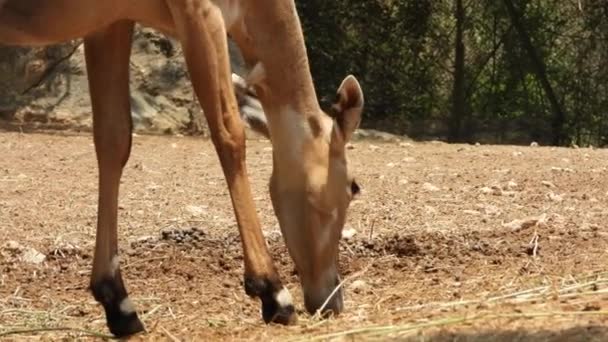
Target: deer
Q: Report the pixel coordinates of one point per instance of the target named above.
(310, 187)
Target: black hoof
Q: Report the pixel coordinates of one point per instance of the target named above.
(122, 325)
(277, 304)
(121, 316)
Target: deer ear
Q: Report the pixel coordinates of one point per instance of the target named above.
(348, 107)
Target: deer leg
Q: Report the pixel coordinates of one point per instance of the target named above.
(107, 55)
(201, 30)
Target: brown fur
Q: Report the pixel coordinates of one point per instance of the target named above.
(304, 188)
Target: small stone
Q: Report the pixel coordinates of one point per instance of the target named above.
(32, 256)
(430, 187)
(12, 246)
(555, 197)
(359, 286)
(520, 224)
(195, 210)
(348, 233)
(486, 190)
(548, 184)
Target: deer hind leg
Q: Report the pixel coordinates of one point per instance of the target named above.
(107, 55)
(201, 30)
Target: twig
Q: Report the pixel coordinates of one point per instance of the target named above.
(534, 242)
(333, 293)
(21, 311)
(524, 295)
(169, 335)
(151, 312)
(48, 71)
(371, 229)
(171, 312)
(400, 329)
(37, 330)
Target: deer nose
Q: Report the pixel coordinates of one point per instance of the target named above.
(327, 300)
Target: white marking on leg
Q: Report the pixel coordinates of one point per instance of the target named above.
(126, 306)
(283, 298)
(114, 265)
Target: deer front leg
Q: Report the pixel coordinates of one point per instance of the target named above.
(107, 55)
(201, 30)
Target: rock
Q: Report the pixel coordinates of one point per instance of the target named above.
(493, 190)
(32, 256)
(548, 184)
(348, 233)
(555, 197)
(561, 169)
(12, 246)
(430, 187)
(274, 234)
(485, 190)
(511, 185)
(195, 210)
(359, 286)
(48, 85)
(520, 224)
(372, 134)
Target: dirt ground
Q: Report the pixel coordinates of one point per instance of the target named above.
(451, 243)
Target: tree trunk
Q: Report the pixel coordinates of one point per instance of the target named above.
(458, 92)
(559, 117)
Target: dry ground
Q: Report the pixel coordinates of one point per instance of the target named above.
(453, 242)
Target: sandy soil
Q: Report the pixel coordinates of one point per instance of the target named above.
(452, 242)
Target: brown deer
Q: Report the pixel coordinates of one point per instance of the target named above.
(310, 186)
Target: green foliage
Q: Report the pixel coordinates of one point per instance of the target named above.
(403, 53)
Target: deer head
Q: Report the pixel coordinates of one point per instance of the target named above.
(311, 187)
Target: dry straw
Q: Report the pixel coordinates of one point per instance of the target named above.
(593, 285)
